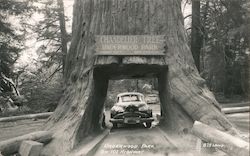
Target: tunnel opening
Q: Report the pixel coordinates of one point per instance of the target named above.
(107, 75)
(146, 86)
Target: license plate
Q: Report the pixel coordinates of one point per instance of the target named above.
(131, 120)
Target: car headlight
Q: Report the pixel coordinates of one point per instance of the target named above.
(117, 109)
(143, 108)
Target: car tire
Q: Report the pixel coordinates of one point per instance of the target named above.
(151, 114)
(148, 124)
(103, 121)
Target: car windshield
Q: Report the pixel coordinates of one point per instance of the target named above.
(130, 98)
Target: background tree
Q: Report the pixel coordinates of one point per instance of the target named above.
(52, 32)
(196, 37)
(38, 82)
(44, 84)
(220, 28)
(11, 38)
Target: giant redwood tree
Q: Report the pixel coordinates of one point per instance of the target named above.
(183, 93)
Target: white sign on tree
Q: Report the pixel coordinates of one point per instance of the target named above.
(130, 45)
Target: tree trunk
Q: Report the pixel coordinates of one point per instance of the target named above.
(196, 39)
(204, 35)
(24, 117)
(11, 146)
(183, 94)
(229, 144)
(64, 35)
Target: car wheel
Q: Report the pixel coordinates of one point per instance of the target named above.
(115, 125)
(103, 122)
(148, 124)
(151, 114)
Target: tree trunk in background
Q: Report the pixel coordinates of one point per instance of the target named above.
(215, 67)
(196, 38)
(64, 35)
(245, 75)
(248, 76)
(204, 37)
(79, 111)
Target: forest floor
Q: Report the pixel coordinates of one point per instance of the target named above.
(20, 127)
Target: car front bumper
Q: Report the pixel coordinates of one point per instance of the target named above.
(131, 120)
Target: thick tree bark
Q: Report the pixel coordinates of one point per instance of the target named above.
(184, 96)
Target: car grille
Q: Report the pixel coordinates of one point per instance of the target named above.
(131, 114)
(131, 109)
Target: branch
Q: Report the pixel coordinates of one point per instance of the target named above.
(190, 28)
(190, 15)
(10, 81)
(57, 70)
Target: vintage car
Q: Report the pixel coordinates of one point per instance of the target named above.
(131, 108)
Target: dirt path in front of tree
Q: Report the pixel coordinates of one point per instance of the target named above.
(135, 140)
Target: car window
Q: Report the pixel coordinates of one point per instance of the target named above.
(130, 98)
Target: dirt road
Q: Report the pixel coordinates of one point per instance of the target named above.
(130, 140)
(137, 140)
